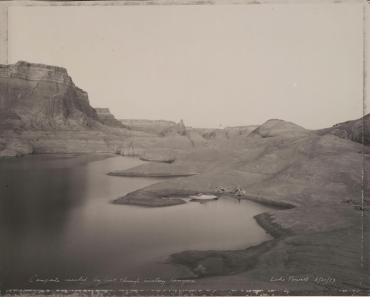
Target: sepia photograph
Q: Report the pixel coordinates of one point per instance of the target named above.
(184, 148)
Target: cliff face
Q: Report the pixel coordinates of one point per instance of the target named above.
(43, 111)
(37, 96)
(107, 118)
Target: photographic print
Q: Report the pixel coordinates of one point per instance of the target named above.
(184, 148)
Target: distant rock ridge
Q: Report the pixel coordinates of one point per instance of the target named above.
(158, 127)
(148, 126)
(178, 128)
(43, 111)
(277, 127)
(163, 123)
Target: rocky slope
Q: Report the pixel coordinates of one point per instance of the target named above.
(356, 130)
(315, 179)
(14, 147)
(107, 118)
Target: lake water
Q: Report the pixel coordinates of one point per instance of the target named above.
(56, 220)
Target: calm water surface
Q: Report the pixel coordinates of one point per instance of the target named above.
(56, 221)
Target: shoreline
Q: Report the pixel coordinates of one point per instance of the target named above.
(213, 262)
(147, 196)
(150, 199)
(86, 157)
(253, 261)
(228, 262)
(265, 221)
(158, 175)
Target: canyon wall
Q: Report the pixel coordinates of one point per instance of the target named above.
(37, 96)
(43, 111)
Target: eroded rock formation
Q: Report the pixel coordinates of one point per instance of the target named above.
(107, 118)
(37, 96)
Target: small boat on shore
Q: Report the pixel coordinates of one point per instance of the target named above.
(203, 198)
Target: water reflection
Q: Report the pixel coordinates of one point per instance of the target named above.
(36, 199)
(56, 220)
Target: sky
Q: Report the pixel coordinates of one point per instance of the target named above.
(210, 65)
